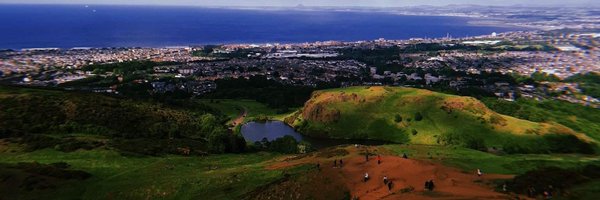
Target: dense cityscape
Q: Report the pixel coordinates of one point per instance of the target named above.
(557, 54)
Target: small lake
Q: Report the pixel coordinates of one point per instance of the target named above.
(256, 131)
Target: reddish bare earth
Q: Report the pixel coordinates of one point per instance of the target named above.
(408, 177)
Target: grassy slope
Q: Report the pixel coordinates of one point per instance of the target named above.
(226, 176)
(577, 117)
(372, 112)
(232, 176)
(470, 160)
(25, 110)
(232, 108)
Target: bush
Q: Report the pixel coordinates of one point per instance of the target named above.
(464, 140)
(418, 116)
(541, 180)
(567, 144)
(285, 144)
(398, 118)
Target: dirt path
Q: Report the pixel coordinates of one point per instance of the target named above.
(240, 118)
(408, 177)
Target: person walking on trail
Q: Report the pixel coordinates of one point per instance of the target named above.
(367, 156)
(366, 177)
(479, 173)
(390, 185)
(378, 159)
(319, 166)
(334, 163)
(341, 163)
(426, 185)
(531, 192)
(385, 180)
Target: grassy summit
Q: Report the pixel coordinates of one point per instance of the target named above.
(417, 116)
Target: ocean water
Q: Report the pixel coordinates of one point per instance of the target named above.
(65, 26)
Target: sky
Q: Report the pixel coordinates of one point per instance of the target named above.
(290, 3)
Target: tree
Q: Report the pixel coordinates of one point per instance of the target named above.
(398, 118)
(285, 144)
(418, 116)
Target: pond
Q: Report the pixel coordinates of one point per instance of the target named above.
(256, 131)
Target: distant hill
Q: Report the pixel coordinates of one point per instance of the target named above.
(407, 115)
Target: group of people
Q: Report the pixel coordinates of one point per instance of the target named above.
(388, 183)
(429, 185)
(548, 193)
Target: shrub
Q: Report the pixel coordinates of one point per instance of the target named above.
(567, 144)
(418, 116)
(464, 140)
(285, 144)
(398, 118)
(541, 179)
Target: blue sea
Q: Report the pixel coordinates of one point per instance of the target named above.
(65, 26)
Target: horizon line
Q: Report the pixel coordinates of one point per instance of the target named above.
(297, 6)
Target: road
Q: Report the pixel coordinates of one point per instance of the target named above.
(240, 118)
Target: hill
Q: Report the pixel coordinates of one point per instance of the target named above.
(72, 120)
(407, 115)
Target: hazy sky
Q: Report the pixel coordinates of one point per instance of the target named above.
(374, 3)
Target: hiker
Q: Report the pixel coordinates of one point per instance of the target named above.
(341, 162)
(431, 185)
(531, 192)
(366, 177)
(504, 188)
(479, 172)
(548, 192)
(378, 159)
(319, 166)
(426, 185)
(367, 157)
(389, 185)
(404, 156)
(385, 180)
(334, 163)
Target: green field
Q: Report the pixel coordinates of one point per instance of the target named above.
(233, 107)
(407, 115)
(469, 160)
(232, 176)
(114, 176)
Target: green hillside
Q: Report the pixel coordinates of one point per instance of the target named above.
(72, 120)
(407, 115)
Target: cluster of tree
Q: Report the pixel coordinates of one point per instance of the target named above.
(286, 144)
(543, 76)
(125, 68)
(550, 143)
(26, 112)
(589, 83)
(259, 88)
(209, 51)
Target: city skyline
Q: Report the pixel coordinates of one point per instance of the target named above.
(292, 3)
